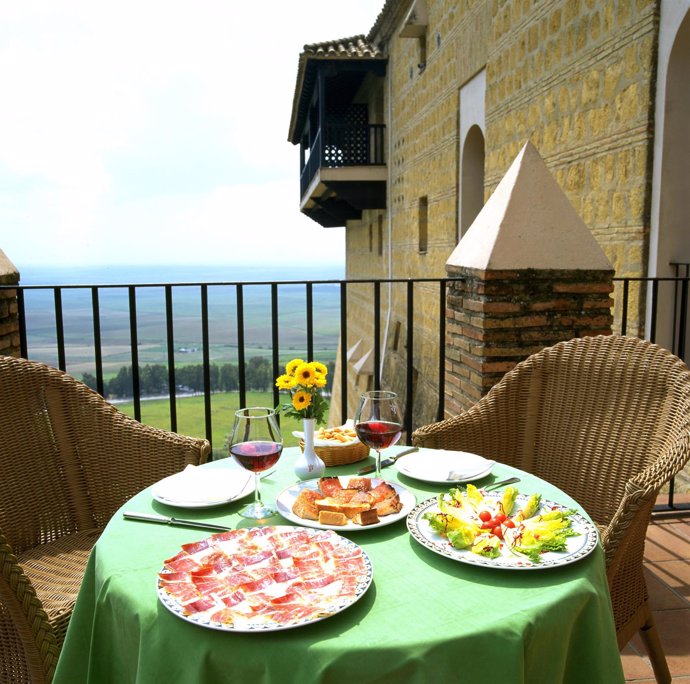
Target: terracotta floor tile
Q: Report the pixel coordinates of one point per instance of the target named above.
(668, 540)
(661, 596)
(674, 631)
(676, 575)
(635, 666)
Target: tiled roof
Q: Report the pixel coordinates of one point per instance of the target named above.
(353, 48)
(356, 47)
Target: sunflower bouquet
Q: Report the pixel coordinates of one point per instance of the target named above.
(304, 380)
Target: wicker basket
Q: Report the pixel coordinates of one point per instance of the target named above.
(340, 455)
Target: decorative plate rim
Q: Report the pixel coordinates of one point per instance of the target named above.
(361, 588)
(422, 533)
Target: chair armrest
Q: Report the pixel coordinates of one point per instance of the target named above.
(23, 620)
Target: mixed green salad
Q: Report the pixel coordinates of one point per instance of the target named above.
(495, 525)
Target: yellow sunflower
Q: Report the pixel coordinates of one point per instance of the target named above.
(320, 367)
(285, 382)
(319, 380)
(301, 400)
(305, 374)
(292, 366)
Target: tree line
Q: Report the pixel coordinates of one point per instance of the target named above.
(153, 378)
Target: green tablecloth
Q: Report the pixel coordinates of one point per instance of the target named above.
(425, 618)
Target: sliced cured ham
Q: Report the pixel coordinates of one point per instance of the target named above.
(275, 578)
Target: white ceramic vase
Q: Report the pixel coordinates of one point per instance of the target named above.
(308, 465)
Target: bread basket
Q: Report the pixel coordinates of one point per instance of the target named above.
(340, 454)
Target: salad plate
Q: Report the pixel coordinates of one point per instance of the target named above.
(196, 487)
(581, 544)
(444, 467)
(264, 579)
(286, 500)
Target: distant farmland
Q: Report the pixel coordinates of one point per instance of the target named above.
(187, 335)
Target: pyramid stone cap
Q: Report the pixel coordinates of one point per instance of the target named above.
(528, 223)
(8, 271)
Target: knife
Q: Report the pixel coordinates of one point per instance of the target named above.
(387, 461)
(175, 522)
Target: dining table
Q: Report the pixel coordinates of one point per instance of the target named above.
(425, 617)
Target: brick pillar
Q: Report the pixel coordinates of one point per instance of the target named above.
(532, 275)
(495, 319)
(9, 321)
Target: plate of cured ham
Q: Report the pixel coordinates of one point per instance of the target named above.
(345, 503)
(263, 579)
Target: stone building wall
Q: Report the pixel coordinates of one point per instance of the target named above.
(576, 77)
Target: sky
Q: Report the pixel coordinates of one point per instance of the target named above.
(155, 131)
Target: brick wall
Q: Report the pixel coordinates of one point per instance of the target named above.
(9, 322)
(495, 319)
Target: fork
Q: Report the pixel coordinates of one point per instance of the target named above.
(452, 475)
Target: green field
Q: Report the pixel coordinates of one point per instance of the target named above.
(190, 416)
(187, 333)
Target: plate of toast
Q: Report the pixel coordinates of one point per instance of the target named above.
(345, 503)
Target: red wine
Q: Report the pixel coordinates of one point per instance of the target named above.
(378, 434)
(257, 456)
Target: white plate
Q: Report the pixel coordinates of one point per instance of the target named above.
(578, 547)
(326, 604)
(286, 500)
(434, 465)
(196, 487)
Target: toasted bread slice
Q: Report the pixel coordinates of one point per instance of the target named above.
(368, 517)
(329, 485)
(332, 518)
(361, 483)
(343, 495)
(388, 506)
(363, 497)
(329, 504)
(305, 506)
(383, 491)
(352, 509)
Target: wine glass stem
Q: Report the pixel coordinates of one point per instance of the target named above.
(378, 463)
(257, 485)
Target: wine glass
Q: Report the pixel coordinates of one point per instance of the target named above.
(256, 443)
(377, 422)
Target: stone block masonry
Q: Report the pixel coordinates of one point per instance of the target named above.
(9, 320)
(495, 319)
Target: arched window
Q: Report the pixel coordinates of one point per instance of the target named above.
(670, 229)
(471, 178)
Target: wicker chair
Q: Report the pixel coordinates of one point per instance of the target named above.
(68, 461)
(607, 420)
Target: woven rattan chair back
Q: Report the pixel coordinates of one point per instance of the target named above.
(68, 461)
(607, 420)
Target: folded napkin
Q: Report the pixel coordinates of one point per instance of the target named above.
(437, 465)
(462, 463)
(203, 485)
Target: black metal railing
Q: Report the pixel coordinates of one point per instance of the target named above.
(168, 331)
(340, 145)
(640, 308)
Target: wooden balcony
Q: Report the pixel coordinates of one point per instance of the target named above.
(343, 173)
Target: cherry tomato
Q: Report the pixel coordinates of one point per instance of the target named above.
(497, 532)
(499, 518)
(488, 525)
(485, 516)
(509, 523)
